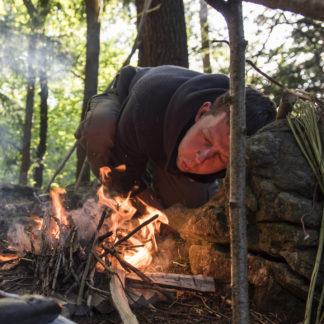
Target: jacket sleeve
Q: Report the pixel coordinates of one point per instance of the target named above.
(128, 152)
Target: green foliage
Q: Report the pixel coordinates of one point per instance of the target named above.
(62, 40)
(297, 62)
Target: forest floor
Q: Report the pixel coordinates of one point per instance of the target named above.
(188, 307)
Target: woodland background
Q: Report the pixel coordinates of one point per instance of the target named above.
(54, 55)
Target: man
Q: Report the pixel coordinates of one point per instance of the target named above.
(173, 122)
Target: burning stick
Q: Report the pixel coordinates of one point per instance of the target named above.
(140, 274)
(127, 266)
(125, 238)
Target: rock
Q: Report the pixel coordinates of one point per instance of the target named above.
(272, 153)
(210, 260)
(272, 238)
(204, 225)
(283, 218)
(297, 209)
(302, 262)
(276, 205)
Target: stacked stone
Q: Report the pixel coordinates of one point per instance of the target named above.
(284, 215)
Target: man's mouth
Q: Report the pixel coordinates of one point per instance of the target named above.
(185, 167)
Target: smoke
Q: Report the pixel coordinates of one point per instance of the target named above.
(167, 252)
(87, 218)
(18, 239)
(50, 55)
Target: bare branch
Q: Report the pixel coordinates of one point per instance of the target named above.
(219, 5)
(309, 8)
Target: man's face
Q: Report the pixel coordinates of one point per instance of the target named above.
(205, 147)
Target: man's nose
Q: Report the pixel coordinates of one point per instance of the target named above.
(204, 154)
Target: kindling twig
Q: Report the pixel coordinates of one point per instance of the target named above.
(125, 238)
(128, 267)
(84, 276)
(88, 253)
(106, 213)
(71, 256)
(104, 236)
(63, 240)
(109, 272)
(99, 291)
(57, 268)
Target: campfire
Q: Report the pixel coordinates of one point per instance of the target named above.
(64, 252)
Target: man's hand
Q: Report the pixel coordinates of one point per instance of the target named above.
(148, 197)
(96, 133)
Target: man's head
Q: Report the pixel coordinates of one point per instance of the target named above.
(205, 147)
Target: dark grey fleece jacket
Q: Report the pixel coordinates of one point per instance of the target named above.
(159, 106)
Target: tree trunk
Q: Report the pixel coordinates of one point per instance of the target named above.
(232, 11)
(93, 8)
(42, 145)
(164, 38)
(309, 8)
(237, 164)
(205, 46)
(25, 159)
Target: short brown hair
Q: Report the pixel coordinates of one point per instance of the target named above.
(260, 110)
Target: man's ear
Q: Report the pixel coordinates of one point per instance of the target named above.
(205, 107)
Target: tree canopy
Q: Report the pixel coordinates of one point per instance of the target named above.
(60, 30)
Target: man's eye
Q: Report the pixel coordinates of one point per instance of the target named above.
(206, 139)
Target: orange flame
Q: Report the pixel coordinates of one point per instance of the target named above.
(58, 207)
(143, 243)
(38, 222)
(8, 257)
(59, 211)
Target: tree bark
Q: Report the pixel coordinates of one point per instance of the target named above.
(163, 39)
(309, 8)
(42, 145)
(203, 14)
(237, 165)
(37, 16)
(25, 153)
(232, 11)
(93, 8)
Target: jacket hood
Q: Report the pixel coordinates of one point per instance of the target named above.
(182, 110)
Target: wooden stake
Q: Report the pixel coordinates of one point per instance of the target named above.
(119, 298)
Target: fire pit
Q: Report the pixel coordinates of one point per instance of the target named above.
(86, 258)
(63, 252)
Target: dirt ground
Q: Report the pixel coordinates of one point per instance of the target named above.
(188, 307)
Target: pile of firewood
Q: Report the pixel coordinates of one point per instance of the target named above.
(74, 269)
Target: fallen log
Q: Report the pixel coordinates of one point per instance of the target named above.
(173, 280)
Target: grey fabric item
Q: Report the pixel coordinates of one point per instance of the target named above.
(106, 106)
(123, 81)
